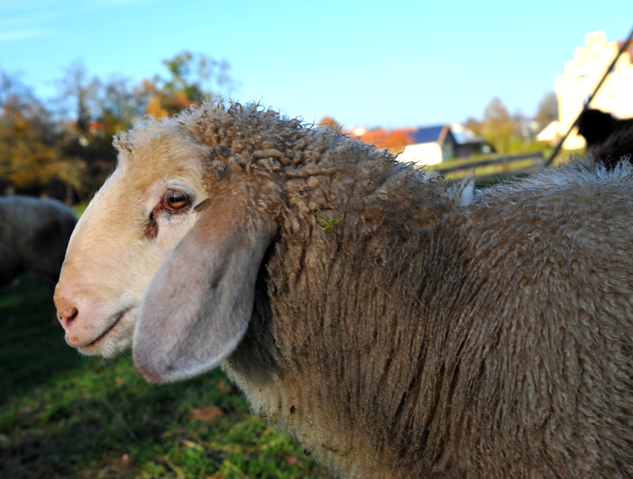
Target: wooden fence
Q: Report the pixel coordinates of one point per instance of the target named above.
(495, 168)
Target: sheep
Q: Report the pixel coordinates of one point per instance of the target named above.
(617, 146)
(393, 325)
(597, 126)
(34, 234)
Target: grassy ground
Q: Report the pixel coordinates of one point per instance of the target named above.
(64, 416)
(502, 171)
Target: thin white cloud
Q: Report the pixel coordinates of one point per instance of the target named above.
(28, 21)
(31, 8)
(21, 35)
(30, 14)
(8, 5)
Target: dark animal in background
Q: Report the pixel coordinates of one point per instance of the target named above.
(34, 235)
(618, 146)
(608, 139)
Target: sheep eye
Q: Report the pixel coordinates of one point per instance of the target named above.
(176, 201)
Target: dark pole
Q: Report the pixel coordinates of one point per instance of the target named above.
(606, 73)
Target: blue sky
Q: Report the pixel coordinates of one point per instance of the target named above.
(393, 64)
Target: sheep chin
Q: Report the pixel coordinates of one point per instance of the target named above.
(116, 339)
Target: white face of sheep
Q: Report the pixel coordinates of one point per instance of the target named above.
(145, 266)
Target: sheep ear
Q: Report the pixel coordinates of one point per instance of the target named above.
(198, 305)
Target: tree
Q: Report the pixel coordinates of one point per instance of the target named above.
(510, 133)
(66, 150)
(547, 110)
(77, 96)
(31, 158)
(328, 121)
(122, 105)
(92, 112)
(474, 125)
(192, 79)
(498, 127)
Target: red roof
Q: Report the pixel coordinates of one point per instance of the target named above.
(390, 139)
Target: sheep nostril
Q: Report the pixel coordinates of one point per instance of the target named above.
(66, 317)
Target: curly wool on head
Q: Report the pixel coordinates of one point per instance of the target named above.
(316, 173)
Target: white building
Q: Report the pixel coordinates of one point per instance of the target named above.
(581, 76)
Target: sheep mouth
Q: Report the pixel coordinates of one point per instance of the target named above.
(106, 332)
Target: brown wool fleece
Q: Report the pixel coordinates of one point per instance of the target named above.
(401, 330)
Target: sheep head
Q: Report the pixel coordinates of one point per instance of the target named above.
(166, 255)
(165, 258)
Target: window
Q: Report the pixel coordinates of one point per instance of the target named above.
(613, 93)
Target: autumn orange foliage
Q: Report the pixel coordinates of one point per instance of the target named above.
(162, 104)
(392, 140)
(330, 122)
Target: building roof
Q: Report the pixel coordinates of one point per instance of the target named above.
(465, 136)
(399, 138)
(429, 134)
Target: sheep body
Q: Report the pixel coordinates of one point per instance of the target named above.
(34, 234)
(398, 328)
(472, 350)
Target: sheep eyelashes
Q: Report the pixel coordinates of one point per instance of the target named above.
(203, 205)
(394, 326)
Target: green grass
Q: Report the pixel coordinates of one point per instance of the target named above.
(81, 207)
(66, 416)
(502, 171)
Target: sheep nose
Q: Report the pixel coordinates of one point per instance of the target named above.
(66, 316)
(66, 304)
(67, 309)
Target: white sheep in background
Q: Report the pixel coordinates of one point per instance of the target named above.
(34, 235)
(393, 327)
